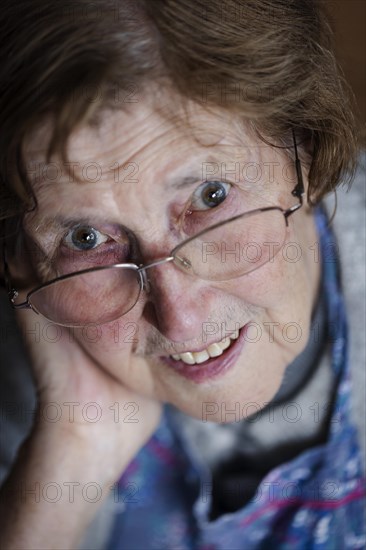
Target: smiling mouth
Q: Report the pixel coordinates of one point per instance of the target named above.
(213, 350)
(207, 366)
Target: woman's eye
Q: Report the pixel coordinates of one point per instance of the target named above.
(210, 194)
(84, 238)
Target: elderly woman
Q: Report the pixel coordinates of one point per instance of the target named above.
(171, 267)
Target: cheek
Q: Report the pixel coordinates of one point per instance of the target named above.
(112, 346)
(280, 296)
(101, 341)
(273, 286)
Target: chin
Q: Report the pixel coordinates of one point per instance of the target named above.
(226, 403)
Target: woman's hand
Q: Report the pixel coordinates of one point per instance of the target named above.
(78, 440)
(77, 396)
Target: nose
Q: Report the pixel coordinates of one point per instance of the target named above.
(181, 303)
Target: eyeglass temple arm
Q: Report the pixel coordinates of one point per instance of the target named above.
(12, 293)
(6, 270)
(299, 189)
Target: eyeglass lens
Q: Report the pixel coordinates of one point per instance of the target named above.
(229, 251)
(95, 297)
(235, 248)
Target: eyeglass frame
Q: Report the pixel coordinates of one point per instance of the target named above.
(298, 192)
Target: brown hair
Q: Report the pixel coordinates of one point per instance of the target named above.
(269, 61)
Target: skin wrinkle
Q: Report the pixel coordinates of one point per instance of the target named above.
(51, 226)
(172, 315)
(156, 341)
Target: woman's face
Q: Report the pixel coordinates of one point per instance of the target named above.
(157, 198)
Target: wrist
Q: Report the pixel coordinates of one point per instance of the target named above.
(70, 452)
(50, 486)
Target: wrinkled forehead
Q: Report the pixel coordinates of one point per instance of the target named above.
(149, 134)
(140, 167)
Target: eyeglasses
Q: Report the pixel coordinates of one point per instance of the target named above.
(224, 251)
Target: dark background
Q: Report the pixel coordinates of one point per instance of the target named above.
(349, 22)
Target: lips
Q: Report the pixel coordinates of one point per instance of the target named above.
(213, 350)
(213, 366)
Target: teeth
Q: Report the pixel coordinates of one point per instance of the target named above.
(201, 356)
(225, 343)
(235, 335)
(188, 358)
(213, 350)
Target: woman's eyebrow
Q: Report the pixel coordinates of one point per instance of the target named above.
(180, 183)
(60, 222)
(55, 223)
(196, 175)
